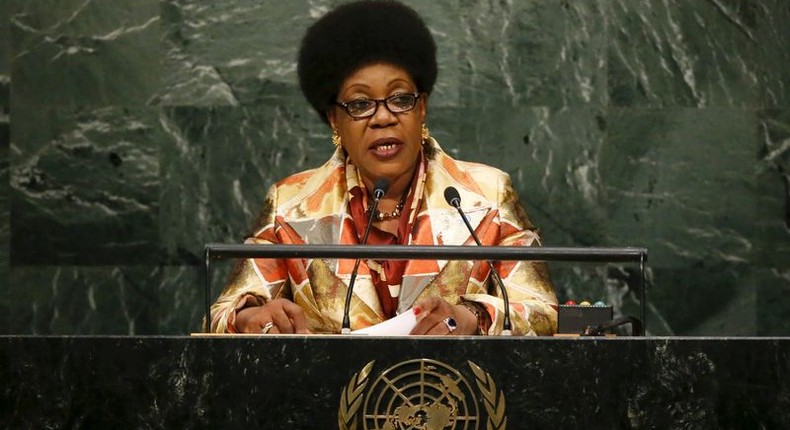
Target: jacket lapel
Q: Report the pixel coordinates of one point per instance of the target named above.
(439, 224)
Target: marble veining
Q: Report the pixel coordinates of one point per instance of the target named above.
(637, 383)
(133, 132)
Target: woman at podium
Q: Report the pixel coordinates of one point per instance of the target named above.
(368, 69)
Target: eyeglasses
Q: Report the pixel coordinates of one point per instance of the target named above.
(364, 108)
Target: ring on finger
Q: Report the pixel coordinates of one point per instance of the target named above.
(450, 323)
(266, 327)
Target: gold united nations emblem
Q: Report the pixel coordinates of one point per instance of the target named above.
(421, 394)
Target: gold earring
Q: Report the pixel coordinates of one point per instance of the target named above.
(425, 133)
(336, 139)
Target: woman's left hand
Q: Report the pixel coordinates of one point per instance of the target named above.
(435, 316)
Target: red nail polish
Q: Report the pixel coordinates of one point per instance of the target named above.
(417, 310)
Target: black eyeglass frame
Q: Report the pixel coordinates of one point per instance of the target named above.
(384, 101)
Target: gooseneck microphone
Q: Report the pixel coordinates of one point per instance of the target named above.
(379, 189)
(454, 199)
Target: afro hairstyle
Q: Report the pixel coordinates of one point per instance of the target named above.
(358, 34)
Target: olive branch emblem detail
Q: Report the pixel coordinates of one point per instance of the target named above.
(494, 407)
(351, 399)
(435, 399)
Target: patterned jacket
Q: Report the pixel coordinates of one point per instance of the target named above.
(311, 207)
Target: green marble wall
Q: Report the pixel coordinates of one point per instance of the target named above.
(134, 131)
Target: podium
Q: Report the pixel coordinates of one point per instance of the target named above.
(313, 382)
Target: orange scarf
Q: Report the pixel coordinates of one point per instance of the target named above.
(392, 270)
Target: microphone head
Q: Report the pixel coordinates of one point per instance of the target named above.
(380, 187)
(452, 197)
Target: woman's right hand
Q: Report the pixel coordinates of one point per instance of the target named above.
(286, 316)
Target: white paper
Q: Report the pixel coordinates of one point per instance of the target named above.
(400, 325)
